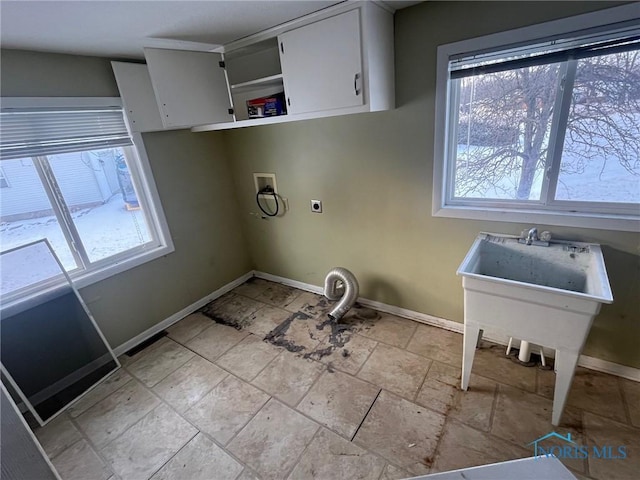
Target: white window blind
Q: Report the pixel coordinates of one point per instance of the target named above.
(551, 51)
(29, 132)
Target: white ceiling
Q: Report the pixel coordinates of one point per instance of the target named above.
(115, 28)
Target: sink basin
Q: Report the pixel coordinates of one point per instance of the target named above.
(547, 295)
(570, 268)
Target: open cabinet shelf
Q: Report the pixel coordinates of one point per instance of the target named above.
(265, 82)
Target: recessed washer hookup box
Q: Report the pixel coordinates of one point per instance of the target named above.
(270, 106)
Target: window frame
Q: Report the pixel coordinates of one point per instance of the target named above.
(4, 182)
(555, 212)
(144, 183)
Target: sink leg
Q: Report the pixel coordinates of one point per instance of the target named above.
(565, 368)
(471, 339)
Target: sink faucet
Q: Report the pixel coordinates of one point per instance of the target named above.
(532, 235)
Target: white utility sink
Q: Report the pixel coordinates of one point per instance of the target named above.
(547, 295)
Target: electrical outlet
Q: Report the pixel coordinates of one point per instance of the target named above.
(316, 206)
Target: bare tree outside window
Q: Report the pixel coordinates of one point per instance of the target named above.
(601, 155)
(504, 124)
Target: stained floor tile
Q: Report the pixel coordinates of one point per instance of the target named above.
(273, 440)
(310, 304)
(437, 395)
(348, 358)
(602, 433)
(248, 357)
(80, 462)
(331, 456)
(234, 310)
(462, 447)
(546, 383)
(298, 333)
(597, 393)
(217, 303)
(215, 340)
(252, 287)
(339, 401)
(288, 377)
(445, 373)
(147, 445)
(265, 320)
(110, 417)
(437, 344)
(474, 407)
(396, 370)
(159, 362)
(227, 408)
(57, 435)
(491, 362)
(189, 327)
(389, 329)
(278, 295)
(200, 459)
(189, 383)
(631, 392)
(522, 417)
(402, 432)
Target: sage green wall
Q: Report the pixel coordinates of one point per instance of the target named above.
(373, 173)
(194, 181)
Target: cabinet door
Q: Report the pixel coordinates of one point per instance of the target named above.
(137, 96)
(190, 87)
(322, 64)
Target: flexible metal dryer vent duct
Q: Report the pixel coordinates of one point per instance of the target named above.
(348, 290)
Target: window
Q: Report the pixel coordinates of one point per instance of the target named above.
(79, 180)
(3, 179)
(545, 130)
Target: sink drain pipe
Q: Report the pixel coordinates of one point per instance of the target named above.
(524, 354)
(338, 283)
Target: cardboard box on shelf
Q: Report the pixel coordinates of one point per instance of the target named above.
(270, 106)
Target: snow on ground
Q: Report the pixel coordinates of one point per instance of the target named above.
(15, 277)
(105, 230)
(600, 180)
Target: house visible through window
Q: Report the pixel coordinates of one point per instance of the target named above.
(76, 180)
(550, 126)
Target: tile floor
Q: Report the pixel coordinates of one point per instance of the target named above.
(376, 398)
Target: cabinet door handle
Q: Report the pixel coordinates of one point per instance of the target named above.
(282, 47)
(355, 83)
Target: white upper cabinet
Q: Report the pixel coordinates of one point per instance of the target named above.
(190, 87)
(137, 96)
(322, 64)
(336, 61)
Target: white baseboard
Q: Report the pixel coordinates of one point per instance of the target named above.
(585, 361)
(166, 323)
(291, 283)
(605, 366)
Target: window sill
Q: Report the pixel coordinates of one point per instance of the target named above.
(622, 223)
